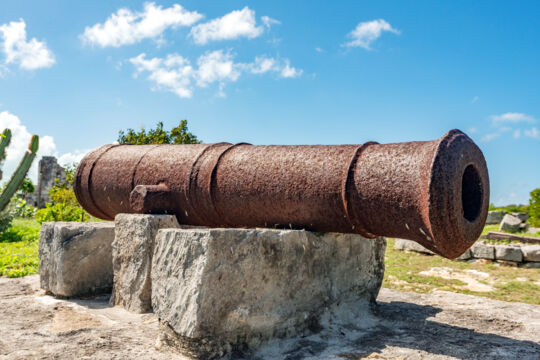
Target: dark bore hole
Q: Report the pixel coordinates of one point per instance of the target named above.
(471, 193)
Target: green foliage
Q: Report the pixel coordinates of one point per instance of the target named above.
(19, 249)
(6, 217)
(22, 230)
(512, 208)
(61, 212)
(19, 258)
(177, 135)
(27, 187)
(63, 205)
(534, 208)
(22, 209)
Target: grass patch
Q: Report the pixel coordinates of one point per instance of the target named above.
(18, 258)
(19, 248)
(509, 283)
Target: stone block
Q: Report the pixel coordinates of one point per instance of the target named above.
(466, 255)
(217, 291)
(494, 217)
(75, 259)
(521, 216)
(508, 253)
(531, 252)
(532, 265)
(510, 223)
(132, 258)
(402, 244)
(483, 251)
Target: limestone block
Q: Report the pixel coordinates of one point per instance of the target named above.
(531, 252)
(466, 255)
(508, 253)
(75, 259)
(510, 223)
(132, 258)
(521, 216)
(483, 251)
(221, 290)
(532, 265)
(494, 217)
(402, 244)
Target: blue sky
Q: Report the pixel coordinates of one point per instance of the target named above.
(280, 72)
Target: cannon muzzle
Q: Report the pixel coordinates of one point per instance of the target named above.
(433, 192)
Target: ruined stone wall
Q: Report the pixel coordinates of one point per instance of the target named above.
(48, 171)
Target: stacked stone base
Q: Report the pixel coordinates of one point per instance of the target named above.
(220, 291)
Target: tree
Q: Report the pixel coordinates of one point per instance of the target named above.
(177, 135)
(27, 187)
(534, 208)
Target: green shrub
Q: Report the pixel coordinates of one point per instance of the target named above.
(534, 208)
(21, 230)
(22, 209)
(60, 212)
(6, 217)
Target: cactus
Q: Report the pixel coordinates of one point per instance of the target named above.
(19, 174)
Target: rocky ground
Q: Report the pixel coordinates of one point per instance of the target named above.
(439, 325)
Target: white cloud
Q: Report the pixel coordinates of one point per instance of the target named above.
(290, 72)
(532, 133)
(472, 130)
(172, 74)
(268, 21)
(29, 55)
(517, 134)
(510, 117)
(126, 27)
(367, 32)
(318, 49)
(475, 99)
(263, 64)
(238, 23)
(72, 157)
(176, 74)
(216, 66)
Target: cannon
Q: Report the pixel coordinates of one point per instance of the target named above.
(433, 192)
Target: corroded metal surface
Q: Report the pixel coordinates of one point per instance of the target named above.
(433, 192)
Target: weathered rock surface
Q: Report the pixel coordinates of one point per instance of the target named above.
(521, 216)
(532, 265)
(402, 244)
(510, 223)
(132, 251)
(494, 217)
(466, 255)
(483, 251)
(438, 325)
(508, 253)
(531, 252)
(75, 259)
(221, 290)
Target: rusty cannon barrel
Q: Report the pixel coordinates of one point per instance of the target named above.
(433, 192)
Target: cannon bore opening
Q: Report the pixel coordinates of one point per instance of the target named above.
(471, 193)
